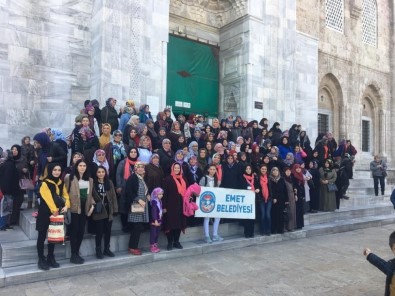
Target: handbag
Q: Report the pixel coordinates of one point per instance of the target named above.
(26, 184)
(332, 187)
(384, 173)
(136, 208)
(98, 207)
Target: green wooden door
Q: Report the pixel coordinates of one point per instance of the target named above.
(192, 77)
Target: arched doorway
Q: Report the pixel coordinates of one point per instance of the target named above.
(330, 100)
(372, 121)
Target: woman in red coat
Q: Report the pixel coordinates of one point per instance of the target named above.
(175, 186)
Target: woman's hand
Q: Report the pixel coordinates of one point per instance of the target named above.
(164, 211)
(63, 210)
(274, 200)
(119, 190)
(55, 213)
(141, 202)
(256, 190)
(148, 197)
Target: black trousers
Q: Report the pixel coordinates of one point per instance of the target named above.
(103, 228)
(40, 245)
(134, 238)
(77, 229)
(16, 208)
(173, 236)
(376, 185)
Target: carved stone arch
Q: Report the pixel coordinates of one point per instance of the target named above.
(372, 108)
(330, 101)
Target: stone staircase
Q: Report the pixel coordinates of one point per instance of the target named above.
(19, 257)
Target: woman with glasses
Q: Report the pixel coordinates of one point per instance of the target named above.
(115, 151)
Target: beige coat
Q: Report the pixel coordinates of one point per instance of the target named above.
(74, 193)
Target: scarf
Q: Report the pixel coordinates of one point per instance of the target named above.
(118, 151)
(219, 172)
(104, 140)
(180, 182)
(250, 181)
(126, 171)
(265, 189)
(297, 176)
(193, 169)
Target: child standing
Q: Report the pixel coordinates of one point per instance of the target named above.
(387, 267)
(156, 218)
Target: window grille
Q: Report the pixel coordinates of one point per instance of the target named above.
(335, 14)
(369, 22)
(365, 135)
(323, 123)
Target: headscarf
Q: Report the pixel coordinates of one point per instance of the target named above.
(58, 134)
(297, 176)
(104, 163)
(19, 149)
(89, 134)
(105, 139)
(179, 161)
(202, 161)
(153, 156)
(179, 180)
(219, 167)
(249, 178)
(191, 151)
(130, 162)
(154, 197)
(50, 168)
(45, 143)
(272, 177)
(289, 160)
(275, 154)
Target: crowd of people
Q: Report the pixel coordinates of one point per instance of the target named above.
(128, 164)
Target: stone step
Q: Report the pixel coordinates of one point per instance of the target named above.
(30, 273)
(361, 174)
(16, 253)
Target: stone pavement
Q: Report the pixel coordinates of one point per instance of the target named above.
(323, 265)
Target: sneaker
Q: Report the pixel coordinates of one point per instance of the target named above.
(177, 245)
(154, 249)
(217, 238)
(207, 239)
(135, 252)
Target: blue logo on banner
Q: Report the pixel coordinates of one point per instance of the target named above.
(207, 202)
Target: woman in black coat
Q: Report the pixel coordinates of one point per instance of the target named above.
(279, 195)
(174, 222)
(249, 182)
(298, 184)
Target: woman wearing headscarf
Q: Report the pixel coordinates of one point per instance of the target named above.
(195, 173)
(279, 195)
(115, 151)
(105, 137)
(249, 182)
(288, 179)
(93, 124)
(20, 163)
(327, 175)
(300, 193)
(99, 159)
(179, 158)
(284, 148)
(161, 122)
(153, 173)
(132, 124)
(144, 113)
(124, 170)
(51, 186)
(58, 137)
(276, 134)
(289, 160)
(137, 192)
(88, 143)
(202, 159)
(175, 186)
(29, 154)
(109, 114)
(152, 133)
(145, 149)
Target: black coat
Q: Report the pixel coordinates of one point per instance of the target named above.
(9, 178)
(110, 115)
(166, 159)
(231, 176)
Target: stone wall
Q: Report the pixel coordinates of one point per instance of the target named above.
(44, 65)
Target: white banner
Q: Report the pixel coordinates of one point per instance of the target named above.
(226, 203)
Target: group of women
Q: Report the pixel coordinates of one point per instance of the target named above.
(143, 173)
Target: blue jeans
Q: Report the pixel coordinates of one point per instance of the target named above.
(266, 219)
